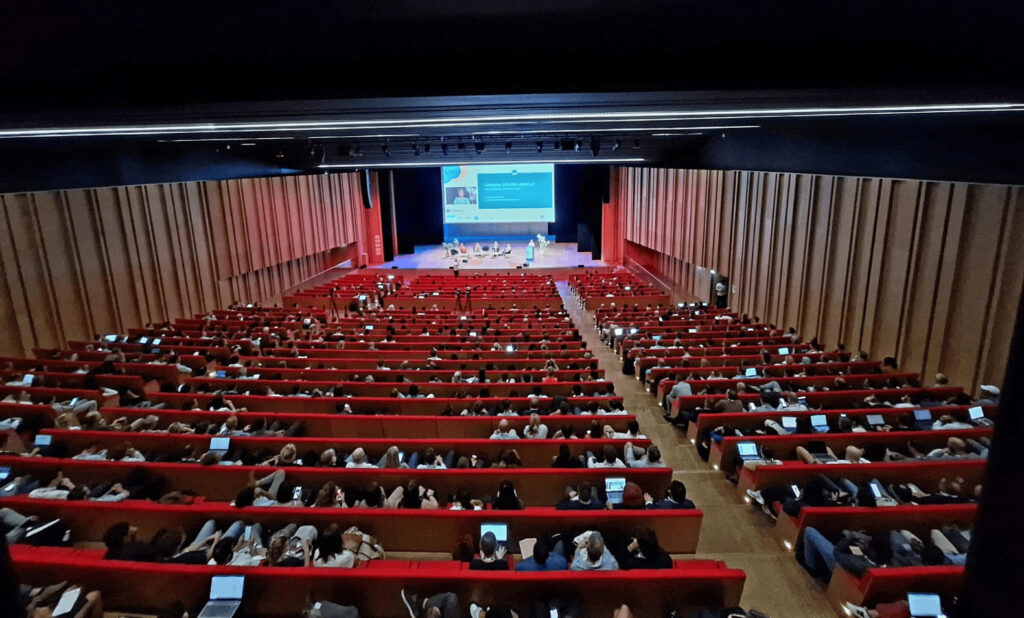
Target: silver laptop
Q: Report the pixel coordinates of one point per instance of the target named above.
(220, 445)
(978, 417)
(924, 605)
(875, 420)
(747, 451)
(789, 423)
(613, 488)
(225, 596)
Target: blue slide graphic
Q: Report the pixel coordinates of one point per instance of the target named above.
(515, 190)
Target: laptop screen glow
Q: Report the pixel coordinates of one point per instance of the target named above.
(922, 415)
(750, 372)
(747, 449)
(220, 444)
(818, 420)
(789, 422)
(875, 419)
(500, 531)
(924, 605)
(976, 412)
(783, 350)
(613, 488)
(227, 587)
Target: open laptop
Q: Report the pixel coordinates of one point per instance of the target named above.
(819, 423)
(225, 596)
(43, 440)
(784, 351)
(500, 531)
(875, 420)
(750, 372)
(924, 605)
(613, 488)
(978, 417)
(819, 451)
(923, 419)
(747, 451)
(220, 445)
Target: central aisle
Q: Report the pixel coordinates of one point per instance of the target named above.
(776, 584)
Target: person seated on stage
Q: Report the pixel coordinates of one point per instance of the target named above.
(495, 248)
(462, 248)
(477, 249)
(508, 248)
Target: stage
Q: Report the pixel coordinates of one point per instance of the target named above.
(557, 255)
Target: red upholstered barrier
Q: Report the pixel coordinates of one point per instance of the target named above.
(892, 583)
(397, 529)
(274, 591)
(535, 486)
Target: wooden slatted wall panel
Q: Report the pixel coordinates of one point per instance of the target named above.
(926, 271)
(86, 261)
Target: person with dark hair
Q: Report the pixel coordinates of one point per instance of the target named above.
(543, 560)
(676, 498)
(492, 555)
(412, 496)
(507, 499)
(122, 544)
(643, 552)
(650, 459)
(609, 459)
(564, 458)
(583, 499)
(330, 550)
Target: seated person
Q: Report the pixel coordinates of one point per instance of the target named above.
(608, 459)
(505, 431)
(582, 499)
(543, 560)
(492, 555)
(675, 498)
(412, 496)
(507, 498)
(591, 554)
(650, 459)
(442, 605)
(643, 552)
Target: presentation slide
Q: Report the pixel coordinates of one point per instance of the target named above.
(498, 193)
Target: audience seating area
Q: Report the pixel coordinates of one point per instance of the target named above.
(169, 426)
(775, 414)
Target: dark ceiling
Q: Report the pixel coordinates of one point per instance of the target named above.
(153, 93)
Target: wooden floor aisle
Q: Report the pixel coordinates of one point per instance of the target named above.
(731, 530)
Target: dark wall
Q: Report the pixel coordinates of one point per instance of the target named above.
(418, 216)
(977, 150)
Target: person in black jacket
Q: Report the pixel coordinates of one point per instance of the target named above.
(643, 552)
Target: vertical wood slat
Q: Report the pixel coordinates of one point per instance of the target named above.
(88, 261)
(926, 271)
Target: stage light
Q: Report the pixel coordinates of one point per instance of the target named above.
(540, 147)
(508, 147)
(595, 145)
(480, 146)
(385, 149)
(616, 146)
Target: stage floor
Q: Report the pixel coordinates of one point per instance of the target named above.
(558, 255)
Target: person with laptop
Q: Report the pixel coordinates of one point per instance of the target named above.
(492, 555)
